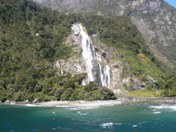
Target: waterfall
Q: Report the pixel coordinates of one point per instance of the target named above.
(91, 57)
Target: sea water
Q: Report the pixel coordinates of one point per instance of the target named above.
(118, 118)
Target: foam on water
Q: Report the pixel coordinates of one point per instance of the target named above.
(157, 112)
(74, 105)
(164, 106)
(53, 129)
(81, 113)
(134, 125)
(83, 108)
(30, 105)
(107, 125)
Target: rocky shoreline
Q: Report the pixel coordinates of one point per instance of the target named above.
(98, 103)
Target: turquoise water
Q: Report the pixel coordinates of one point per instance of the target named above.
(120, 118)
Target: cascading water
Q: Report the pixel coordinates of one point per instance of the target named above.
(91, 57)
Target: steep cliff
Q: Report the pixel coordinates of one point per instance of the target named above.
(94, 59)
(155, 19)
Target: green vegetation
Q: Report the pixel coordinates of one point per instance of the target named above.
(170, 85)
(31, 40)
(144, 93)
(26, 58)
(120, 33)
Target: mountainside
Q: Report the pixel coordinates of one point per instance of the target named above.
(46, 55)
(155, 19)
(31, 41)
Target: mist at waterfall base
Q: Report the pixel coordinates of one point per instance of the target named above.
(122, 118)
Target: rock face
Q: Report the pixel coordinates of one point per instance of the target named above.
(155, 19)
(91, 59)
(152, 81)
(136, 84)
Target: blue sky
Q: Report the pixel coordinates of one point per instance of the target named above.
(171, 2)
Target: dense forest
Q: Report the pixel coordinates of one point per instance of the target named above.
(32, 40)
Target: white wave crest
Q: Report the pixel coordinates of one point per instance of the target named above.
(30, 105)
(81, 113)
(107, 125)
(157, 112)
(171, 107)
(83, 108)
(134, 125)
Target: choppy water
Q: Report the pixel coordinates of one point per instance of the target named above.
(119, 118)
